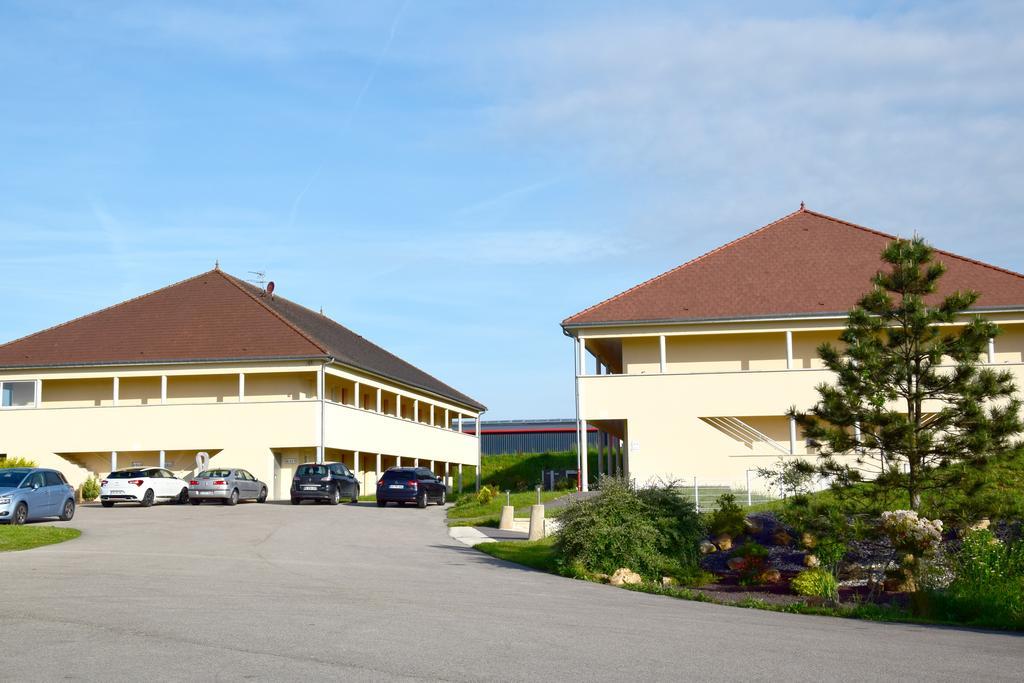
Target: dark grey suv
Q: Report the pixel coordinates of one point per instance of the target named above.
(327, 481)
(411, 485)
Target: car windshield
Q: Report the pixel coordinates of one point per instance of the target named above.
(312, 471)
(128, 474)
(211, 474)
(399, 474)
(12, 477)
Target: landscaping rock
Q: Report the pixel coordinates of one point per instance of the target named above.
(811, 561)
(753, 525)
(724, 542)
(707, 547)
(782, 537)
(735, 563)
(668, 581)
(769, 576)
(623, 576)
(808, 540)
(980, 524)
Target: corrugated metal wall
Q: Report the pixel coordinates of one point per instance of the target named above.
(532, 442)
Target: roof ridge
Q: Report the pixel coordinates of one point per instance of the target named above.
(324, 348)
(108, 308)
(690, 262)
(234, 281)
(944, 252)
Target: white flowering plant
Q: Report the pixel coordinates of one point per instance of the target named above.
(912, 533)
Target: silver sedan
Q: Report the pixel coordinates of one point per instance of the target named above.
(228, 486)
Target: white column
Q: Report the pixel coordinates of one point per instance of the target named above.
(432, 466)
(163, 459)
(113, 460)
(663, 356)
(447, 476)
(792, 435)
(398, 461)
(416, 410)
(358, 403)
(460, 423)
(415, 462)
(398, 405)
(447, 419)
(578, 351)
(241, 387)
(433, 423)
(789, 349)
(991, 350)
(584, 457)
(39, 392)
(117, 390)
(379, 400)
(379, 472)
(163, 389)
(460, 477)
(355, 467)
(478, 452)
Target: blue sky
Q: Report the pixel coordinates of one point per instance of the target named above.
(452, 179)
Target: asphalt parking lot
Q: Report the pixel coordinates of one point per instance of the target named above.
(276, 592)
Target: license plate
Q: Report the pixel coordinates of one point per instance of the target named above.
(205, 493)
(117, 493)
(310, 488)
(396, 486)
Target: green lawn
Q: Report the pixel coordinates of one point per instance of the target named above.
(467, 512)
(26, 537)
(536, 554)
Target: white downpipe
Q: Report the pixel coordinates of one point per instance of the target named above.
(578, 351)
(789, 349)
(320, 384)
(991, 350)
(479, 452)
(792, 436)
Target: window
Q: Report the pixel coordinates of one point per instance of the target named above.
(17, 394)
(35, 480)
(53, 479)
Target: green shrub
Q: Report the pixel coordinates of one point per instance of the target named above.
(728, 518)
(485, 495)
(680, 529)
(816, 583)
(16, 462)
(830, 553)
(610, 531)
(565, 484)
(91, 488)
(988, 584)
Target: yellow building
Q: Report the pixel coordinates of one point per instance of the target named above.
(214, 364)
(690, 374)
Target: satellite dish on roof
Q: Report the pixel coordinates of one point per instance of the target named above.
(270, 287)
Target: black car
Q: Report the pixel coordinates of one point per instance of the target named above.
(330, 481)
(411, 485)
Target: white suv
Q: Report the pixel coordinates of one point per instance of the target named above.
(142, 485)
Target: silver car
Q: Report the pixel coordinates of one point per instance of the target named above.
(228, 486)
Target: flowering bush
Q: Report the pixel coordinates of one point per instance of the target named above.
(911, 533)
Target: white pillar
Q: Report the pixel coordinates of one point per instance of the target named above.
(578, 351)
(163, 459)
(113, 460)
(792, 436)
(460, 423)
(398, 461)
(320, 383)
(163, 389)
(447, 476)
(241, 387)
(991, 350)
(789, 349)
(358, 403)
(433, 423)
(355, 466)
(460, 477)
(415, 462)
(478, 452)
(380, 395)
(379, 472)
(398, 405)
(432, 466)
(447, 419)
(416, 410)
(584, 457)
(117, 390)
(663, 356)
(39, 392)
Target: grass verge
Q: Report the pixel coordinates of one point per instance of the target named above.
(468, 512)
(27, 537)
(535, 554)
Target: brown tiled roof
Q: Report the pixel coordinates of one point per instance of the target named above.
(211, 317)
(805, 263)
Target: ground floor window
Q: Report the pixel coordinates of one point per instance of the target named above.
(17, 394)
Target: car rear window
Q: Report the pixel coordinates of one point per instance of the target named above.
(399, 474)
(210, 474)
(128, 474)
(312, 471)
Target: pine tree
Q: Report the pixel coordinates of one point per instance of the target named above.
(912, 404)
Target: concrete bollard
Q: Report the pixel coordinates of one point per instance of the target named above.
(507, 515)
(536, 522)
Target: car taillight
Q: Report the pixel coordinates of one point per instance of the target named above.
(412, 483)
(193, 483)
(380, 482)
(137, 482)
(220, 482)
(103, 483)
(327, 478)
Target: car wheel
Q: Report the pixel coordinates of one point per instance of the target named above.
(382, 503)
(335, 497)
(262, 498)
(107, 503)
(195, 502)
(148, 498)
(295, 501)
(20, 514)
(421, 502)
(183, 497)
(444, 498)
(69, 511)
(355, 495)
(232, 499)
